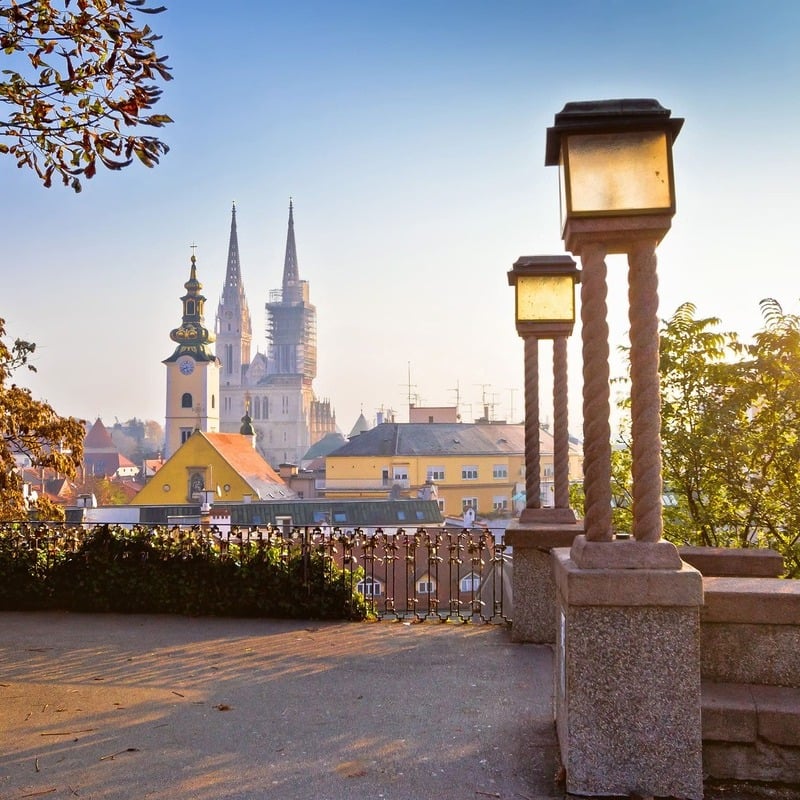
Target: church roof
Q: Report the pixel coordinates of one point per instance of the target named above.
(238, 451)
(98, 439)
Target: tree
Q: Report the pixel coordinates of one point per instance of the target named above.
(31, 430)
(84, 81)
(730, 434)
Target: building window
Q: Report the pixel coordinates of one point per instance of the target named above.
(400, 473)
(285, 405)
(186, 400)
(426, 586)
(257, 408)
(500, 503)
(470, 583)
(185, 434)
(369, 587)
(469, 473)
(265, 408)
(213, 401)
(385, 477)
(469, 502)
(435, 473)
(499, 471)
(441, 505)
(229, 357)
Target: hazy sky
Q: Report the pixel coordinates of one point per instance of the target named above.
(411, 137)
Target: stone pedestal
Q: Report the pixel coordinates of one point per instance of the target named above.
(533, 586)
(627, 677)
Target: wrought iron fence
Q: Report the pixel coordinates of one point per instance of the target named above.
(443, 574)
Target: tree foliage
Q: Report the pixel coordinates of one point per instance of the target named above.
(32, 432)
(730, 433)
(84, 78)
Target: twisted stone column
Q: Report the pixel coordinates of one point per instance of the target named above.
(532, 456)
(645, 392)
(560, 424)
(596, 395)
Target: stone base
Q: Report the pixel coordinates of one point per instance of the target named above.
(625, 554)
(628, 679)
(533, 586)
(547, 516)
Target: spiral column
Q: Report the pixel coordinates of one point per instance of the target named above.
(532, 454)
(645, 392)
(596, 395)
(560, 424)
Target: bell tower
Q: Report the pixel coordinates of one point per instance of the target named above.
(192, 372)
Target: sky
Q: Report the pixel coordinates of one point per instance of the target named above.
(411, 138)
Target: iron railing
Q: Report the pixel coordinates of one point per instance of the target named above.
(444, 574)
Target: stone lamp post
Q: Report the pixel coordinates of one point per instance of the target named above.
(544, 294)
(628, 631)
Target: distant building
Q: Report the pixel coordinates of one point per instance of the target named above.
(276, 387)
(477, 467)
(223, 463)
(101, 458)
(433, 414)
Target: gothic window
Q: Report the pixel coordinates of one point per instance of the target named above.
(213, 401)
(256, 408)
(229, 358)
(189, 308)
(186, 400)
(265, 408)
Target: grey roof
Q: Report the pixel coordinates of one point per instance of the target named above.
(360, 426)
(327, 444)
(434, 438)
(350, 513)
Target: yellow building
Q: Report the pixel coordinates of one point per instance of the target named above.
(224, 463)
(478, 466)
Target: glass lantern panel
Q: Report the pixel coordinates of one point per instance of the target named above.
(618, 172)
(545, 298)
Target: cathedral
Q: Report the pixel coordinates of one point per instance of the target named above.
(275, 389)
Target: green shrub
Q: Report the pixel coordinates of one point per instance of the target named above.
(173, 571)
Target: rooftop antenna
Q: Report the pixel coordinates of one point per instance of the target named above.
(511, 405)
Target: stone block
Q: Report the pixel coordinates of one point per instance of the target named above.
(533, 586)
(628, 680)
(729, 712)
(742, 562)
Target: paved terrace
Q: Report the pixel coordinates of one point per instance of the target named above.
(113, 707)
(110, 707)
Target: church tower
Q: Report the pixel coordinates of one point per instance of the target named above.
(192, 372)
(292, 320)
(233, 329)
(275, 389)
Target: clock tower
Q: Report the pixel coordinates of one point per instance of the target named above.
(192, 372)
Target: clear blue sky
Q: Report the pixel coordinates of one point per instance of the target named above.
(411, 137)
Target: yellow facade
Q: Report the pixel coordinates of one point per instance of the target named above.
(196, 466)
(486, 482)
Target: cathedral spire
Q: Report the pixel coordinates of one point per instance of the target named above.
(233, 274)
(291, 274)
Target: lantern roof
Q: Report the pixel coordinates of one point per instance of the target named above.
(602, 116)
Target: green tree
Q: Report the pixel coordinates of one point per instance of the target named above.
(730, 433)
(84, 80)
(31, 430)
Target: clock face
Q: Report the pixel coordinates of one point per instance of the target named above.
(186, 366)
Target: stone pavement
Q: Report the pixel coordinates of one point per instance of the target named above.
(110, 707)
